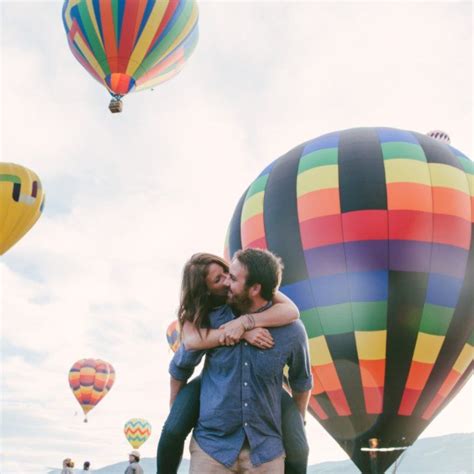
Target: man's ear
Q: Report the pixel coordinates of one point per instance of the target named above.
(255, 290)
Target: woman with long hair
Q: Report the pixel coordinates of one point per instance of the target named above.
(203, 289)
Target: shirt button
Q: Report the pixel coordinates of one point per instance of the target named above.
(245, 344)
(246, 363)
(246, 424)
(245, 384)
(246, 404)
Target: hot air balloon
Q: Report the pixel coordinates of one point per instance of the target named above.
(137, 431)
(131, 45)
(172, 335)
(90, 380)
(21, 203)
(374, 226)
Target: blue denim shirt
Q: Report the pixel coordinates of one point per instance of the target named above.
(241, 391)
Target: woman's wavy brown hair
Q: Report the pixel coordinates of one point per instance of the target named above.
(196, 302)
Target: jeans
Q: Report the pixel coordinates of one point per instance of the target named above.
(184, 414)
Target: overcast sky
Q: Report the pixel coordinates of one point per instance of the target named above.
(130, 197)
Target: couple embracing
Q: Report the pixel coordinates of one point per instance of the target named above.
(243, 420)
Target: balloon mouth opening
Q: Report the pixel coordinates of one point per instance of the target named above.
(120, 84)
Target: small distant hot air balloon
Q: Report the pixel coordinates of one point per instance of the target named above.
(21, 203)
(374, 226)
(137, 431)
(172, 335)
(90, 381)
(131, 45)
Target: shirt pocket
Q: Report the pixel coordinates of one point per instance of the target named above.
(268, 364)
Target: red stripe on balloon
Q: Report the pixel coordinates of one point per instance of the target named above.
(365, 225)
(127, 34)
(321, 231)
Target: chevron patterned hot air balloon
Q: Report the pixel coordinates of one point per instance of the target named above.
(21, 203)
(374, 226)
(90, 381)
(131, 45)
(137, 431)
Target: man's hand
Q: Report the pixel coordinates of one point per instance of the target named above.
(233, 332)
(259, 337)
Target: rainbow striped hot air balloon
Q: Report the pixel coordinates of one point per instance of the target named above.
(131, 45)
(21, 203)
(172, 335)
(374, 226)
(137, 431)
(90, 380)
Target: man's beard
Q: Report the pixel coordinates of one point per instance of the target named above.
(240, 303)
(218, 300)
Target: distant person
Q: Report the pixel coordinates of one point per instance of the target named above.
(68, 465)
(86, 467)
(134, 466)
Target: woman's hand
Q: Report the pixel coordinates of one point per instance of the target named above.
(233, 331)
(259, 337)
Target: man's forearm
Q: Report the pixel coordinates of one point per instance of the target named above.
(175, 387)
(302, 399)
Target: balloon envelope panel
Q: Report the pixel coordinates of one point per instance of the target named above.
(374, 226)
(131, 45)
(21, 203)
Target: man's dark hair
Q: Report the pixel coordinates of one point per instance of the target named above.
(263, 267)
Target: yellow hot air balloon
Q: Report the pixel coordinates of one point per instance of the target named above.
(21, 203)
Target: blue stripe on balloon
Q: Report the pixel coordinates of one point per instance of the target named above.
(443, 290)
(121, 11)
(300, 293)
(341, 288)
(96, 7)
(394, 135)
(330, 140)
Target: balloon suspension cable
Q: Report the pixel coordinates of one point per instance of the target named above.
(116, 104)
(85, 420)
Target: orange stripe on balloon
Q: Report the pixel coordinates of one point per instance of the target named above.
(409, 196)
(253, 229)
(324, 202)
(451, 202)
(418, 375)
(108, 29)
(372, 372)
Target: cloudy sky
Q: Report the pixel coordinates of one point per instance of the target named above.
(130, 197)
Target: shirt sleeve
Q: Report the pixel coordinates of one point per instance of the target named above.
(183, 363)
(299, 374)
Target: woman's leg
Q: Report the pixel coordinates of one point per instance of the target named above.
(294, 437)
(181, 420)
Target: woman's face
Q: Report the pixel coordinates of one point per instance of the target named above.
(216, 280)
